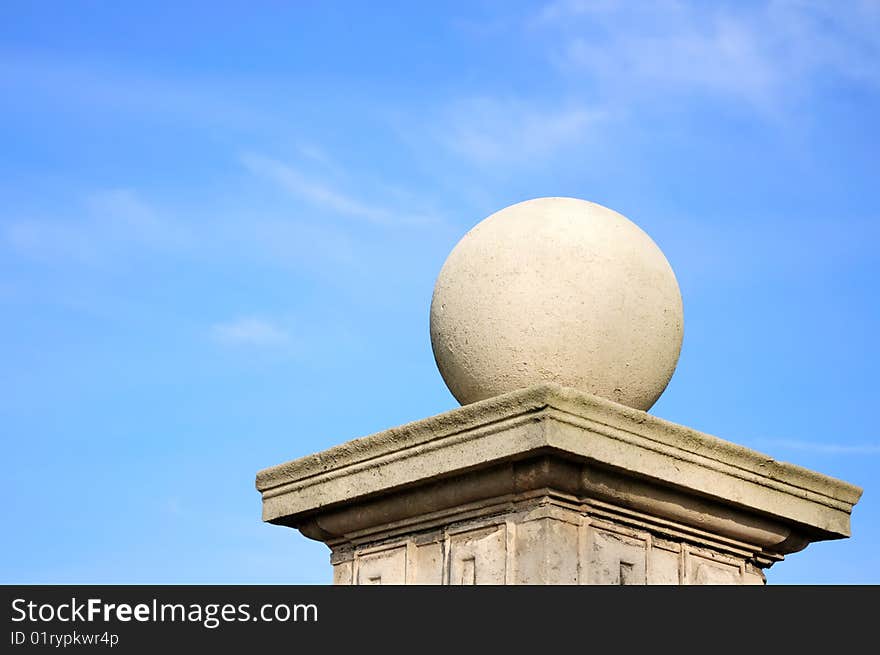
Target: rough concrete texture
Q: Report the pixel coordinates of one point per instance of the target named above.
(557, 290)
(392, 504)
(544, 540)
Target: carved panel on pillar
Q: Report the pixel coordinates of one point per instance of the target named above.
(616, 559)
(547, 551)
(382, 567)
(544, 541)
(477, 556)
(710, 569)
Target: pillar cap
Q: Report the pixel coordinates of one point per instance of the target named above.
(654, 461)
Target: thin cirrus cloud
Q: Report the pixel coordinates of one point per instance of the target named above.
(295, 182)
(764, 56)
(126, 214)
(110, 221)
(494, 130)
(323, 195)
(250, 331)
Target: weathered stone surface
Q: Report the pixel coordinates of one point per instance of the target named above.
(544, 542)
(557, 290)
(550, 485)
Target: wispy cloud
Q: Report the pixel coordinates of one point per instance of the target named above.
(559, 11)
(317, 155)
(126, 216)
(313, 191)
(50, 239)
(818, 447)
(250, 331)
(325, 196)
(765, 55)
(105, 228)
(109, 221)
(494, 130)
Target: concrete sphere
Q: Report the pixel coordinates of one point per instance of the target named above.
(557, 290)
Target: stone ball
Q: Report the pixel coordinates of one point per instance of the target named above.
(557, 290)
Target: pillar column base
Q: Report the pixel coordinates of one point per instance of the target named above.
(549, 485)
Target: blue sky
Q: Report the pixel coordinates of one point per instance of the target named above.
(220, 226)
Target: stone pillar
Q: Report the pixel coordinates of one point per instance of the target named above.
(552, 472)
